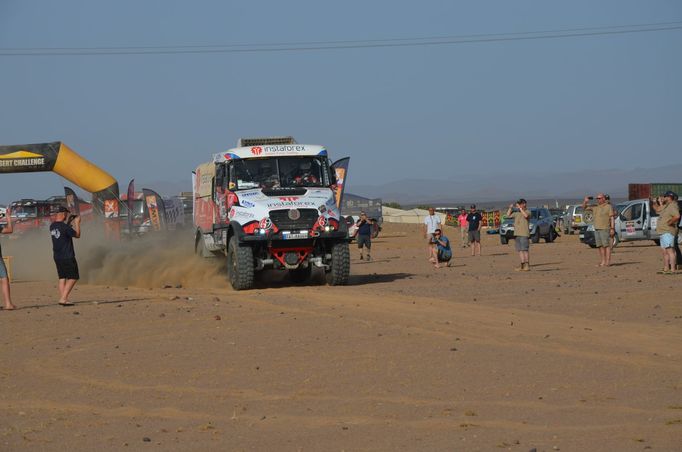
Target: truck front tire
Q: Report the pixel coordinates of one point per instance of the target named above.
(535, 238)
(240, 268)
(340, 266)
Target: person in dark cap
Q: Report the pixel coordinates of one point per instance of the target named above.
(63, 230)
(475, 220)
(678, 252)
(667, 227)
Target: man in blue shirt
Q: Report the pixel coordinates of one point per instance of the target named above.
(444, 252)
(474, 218)
(63, 233)
(364, 235)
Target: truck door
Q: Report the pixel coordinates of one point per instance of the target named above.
(633, 222)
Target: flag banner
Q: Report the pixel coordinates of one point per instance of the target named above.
(72, 202)
(340, 167)
(130, 203)
(156, 209)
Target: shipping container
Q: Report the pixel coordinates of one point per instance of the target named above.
(642, 191)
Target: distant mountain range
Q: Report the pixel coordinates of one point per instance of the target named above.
(540, 186)
(535, 185)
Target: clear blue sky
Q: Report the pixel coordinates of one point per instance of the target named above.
(401, 112)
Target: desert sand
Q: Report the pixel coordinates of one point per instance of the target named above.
(159, 353)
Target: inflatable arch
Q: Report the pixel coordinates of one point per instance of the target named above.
(59, 158)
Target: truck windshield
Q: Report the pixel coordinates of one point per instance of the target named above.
(282, 172)
(24, 211)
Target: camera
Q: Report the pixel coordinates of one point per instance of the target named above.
(590, 197)
(71, 218)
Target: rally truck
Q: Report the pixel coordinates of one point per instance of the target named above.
(271, 203)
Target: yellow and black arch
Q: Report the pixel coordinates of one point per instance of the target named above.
(59, 158)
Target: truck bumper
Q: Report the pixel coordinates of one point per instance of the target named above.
(281, 240)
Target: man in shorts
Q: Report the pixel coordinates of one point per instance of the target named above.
(4, 277)
(474, 218)
(63, 232)
(364, 235)
(521, 231)
(678, 252)
(431, 223)
(604, 227)
(669, 217)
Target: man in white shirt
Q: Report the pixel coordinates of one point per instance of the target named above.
(431, 223)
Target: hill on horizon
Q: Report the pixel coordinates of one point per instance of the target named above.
(499, 187)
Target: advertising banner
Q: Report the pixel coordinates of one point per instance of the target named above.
(341, 169)
(156, 209)
(72, 201)
(130, 202)
(59, 158)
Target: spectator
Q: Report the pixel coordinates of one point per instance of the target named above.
(4, 276)
(364, 235)
(474, 219)
(667, 225)
(521, 231)
(678, 253)
(64, 255)
(463, 228)
(604, 227)
(431, 223)
(443, 250)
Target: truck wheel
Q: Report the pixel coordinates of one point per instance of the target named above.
(301, 274)
(340, 265)
(504, 240)
(375, 230)
(240, 270)
(536, 237)
(550, 236)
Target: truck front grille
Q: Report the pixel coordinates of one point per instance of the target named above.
(307, 220)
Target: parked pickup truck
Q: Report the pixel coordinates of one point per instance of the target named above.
(574, 219)
(636, 220)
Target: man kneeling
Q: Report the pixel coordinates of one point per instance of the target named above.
(443, 253)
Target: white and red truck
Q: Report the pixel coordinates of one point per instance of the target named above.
(271, 203)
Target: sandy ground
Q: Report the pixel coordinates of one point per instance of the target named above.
(472, 357)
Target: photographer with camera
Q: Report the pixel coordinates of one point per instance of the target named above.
(63, 230)
(604, 226)
(521, 231)
(443, 252)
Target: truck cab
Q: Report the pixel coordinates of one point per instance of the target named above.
(271, 203)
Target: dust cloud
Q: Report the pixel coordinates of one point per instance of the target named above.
(154, 260)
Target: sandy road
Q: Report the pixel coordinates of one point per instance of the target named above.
(473, 357)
